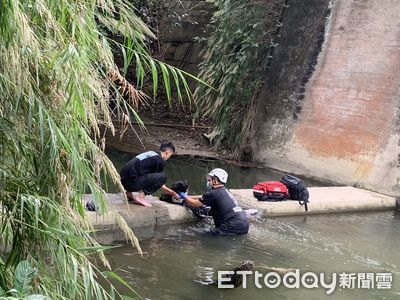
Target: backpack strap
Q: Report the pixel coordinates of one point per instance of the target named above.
(304, 202)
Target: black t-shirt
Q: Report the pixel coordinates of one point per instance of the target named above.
(142, 164)
(223, 205)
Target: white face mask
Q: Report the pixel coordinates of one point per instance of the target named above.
(209, 186)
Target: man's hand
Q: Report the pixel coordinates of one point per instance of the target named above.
(169, 191)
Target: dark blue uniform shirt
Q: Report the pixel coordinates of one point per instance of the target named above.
(225, 210)
(142, 164)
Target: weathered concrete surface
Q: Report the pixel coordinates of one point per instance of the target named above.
(179, 30)
(346, 126)
(322, 200)
(143, 220)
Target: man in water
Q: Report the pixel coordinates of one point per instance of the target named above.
(229, 218)
(144, 174)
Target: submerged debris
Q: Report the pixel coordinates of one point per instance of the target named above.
(236, 279)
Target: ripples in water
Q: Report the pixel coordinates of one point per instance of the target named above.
(188, 258)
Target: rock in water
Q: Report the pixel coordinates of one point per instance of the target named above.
(236, 279)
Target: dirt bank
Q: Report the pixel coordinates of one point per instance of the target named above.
(162, 122)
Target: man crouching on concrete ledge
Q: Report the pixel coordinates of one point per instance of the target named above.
(144, 174)
(229, 218)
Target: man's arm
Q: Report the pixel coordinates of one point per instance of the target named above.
(193, 202)
(169, 191)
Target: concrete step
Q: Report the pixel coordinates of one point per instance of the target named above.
(144, 220)
(322, 200)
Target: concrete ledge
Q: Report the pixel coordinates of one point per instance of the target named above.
(144, 220)
(322, 200)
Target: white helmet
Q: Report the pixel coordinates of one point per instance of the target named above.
(220, 174)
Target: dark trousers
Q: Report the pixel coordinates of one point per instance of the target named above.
(148, 183)
(234, 226)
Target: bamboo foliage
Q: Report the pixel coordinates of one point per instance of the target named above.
(57, 75)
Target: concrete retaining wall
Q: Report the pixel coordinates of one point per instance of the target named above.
(179, 29)
(330, 105)
(344, 124)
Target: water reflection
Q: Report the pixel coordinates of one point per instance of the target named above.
(195, 172)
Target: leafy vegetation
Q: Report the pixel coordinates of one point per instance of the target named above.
(57, 76)
(235, 61)
(23, 277)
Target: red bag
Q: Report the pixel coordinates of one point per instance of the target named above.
(270, 191)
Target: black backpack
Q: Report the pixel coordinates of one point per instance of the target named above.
(297, 189)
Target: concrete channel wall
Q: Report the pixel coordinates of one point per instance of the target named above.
(146, 220)
(329, 107)
(334, 113)
(183, 32)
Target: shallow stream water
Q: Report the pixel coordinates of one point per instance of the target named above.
(182, 261)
